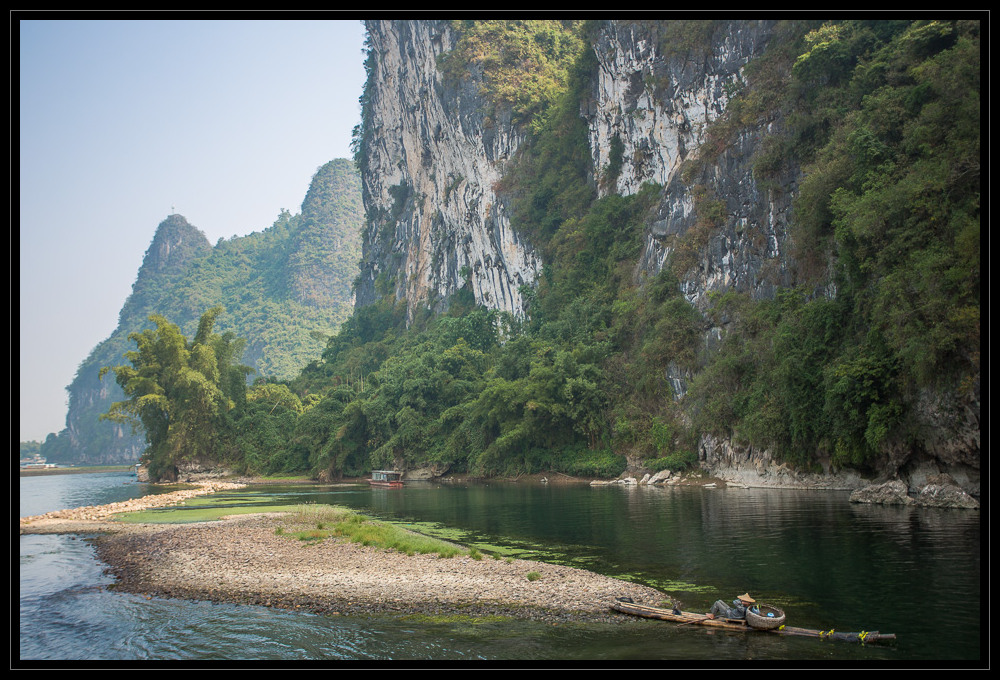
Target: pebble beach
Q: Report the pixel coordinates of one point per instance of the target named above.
(244, 559)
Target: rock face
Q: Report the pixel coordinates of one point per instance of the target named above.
(747, 466)
(435, 222)
(650, 108)
(658, 104)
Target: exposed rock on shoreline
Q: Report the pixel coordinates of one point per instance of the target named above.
(937, 492)
(921, 486)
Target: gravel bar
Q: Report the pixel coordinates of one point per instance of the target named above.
(243, 560)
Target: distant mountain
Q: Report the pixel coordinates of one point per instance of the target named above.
(285, 290)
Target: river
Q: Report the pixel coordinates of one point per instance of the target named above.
(828, 563)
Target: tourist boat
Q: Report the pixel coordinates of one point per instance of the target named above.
(389, 478)
(625, 606)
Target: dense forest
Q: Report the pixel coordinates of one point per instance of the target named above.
(882, 117)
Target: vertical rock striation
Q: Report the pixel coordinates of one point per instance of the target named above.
(651, 106)
(435, 222)
(433, 156)
(652, 103)
(657, 102)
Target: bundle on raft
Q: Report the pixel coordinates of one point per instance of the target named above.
(764, 617)
(624, 606)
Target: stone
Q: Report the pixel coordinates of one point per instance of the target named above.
(939, 492)
(893, 492)
(660, 477)
(942, 494)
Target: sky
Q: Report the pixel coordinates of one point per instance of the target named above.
(121, 123)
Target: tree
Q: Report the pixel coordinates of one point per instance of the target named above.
(181, 393)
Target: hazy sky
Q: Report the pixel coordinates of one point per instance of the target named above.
(122, 122)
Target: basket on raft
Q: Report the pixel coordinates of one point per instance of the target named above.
(764, 617)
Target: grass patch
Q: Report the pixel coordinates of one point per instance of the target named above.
(197, 509)
(313, 522)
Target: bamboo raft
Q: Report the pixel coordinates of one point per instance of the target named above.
(740, 625)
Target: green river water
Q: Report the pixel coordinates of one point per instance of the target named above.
(828, 563)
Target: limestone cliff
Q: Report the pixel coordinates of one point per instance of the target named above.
(175, 246)
(651, 107)
(435, 221)
(656, 101)
(434, 157)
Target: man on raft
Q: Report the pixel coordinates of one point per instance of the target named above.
(738, 610)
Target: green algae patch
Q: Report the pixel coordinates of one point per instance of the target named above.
(520, 551)
(677, 586)
(312, 522)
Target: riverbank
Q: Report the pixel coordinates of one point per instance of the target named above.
(249, 559)
(43, 471)
(97, 518)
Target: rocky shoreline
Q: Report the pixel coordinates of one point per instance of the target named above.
(922, 482)
(245, 560)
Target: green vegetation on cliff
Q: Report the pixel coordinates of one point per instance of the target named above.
(285, 290)
(524, 64)
(882, 117)
(885, 121)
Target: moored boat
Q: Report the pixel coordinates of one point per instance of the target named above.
(677, 616)
(389, 478)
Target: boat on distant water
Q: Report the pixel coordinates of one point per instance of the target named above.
(390, 478)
